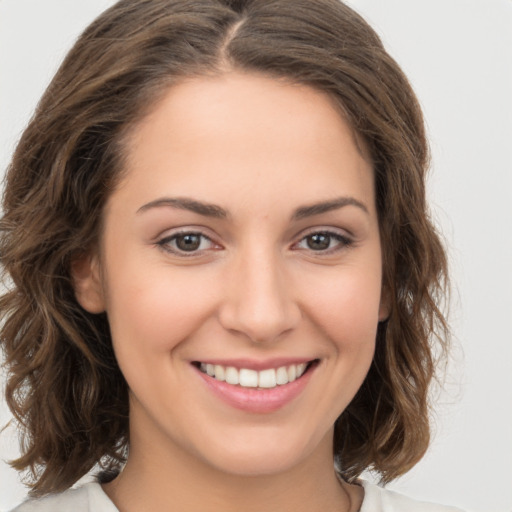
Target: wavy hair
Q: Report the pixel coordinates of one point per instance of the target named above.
(64, 387)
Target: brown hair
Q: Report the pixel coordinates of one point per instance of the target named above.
(64, 387)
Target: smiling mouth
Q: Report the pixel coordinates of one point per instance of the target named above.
(248, 378)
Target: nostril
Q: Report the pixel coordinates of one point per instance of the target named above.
(258, 303)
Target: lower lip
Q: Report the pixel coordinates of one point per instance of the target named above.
(257, 400)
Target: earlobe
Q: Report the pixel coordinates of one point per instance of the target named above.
(87, 283)
(384, 307)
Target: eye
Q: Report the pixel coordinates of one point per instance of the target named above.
(186, 242)
(324, 241)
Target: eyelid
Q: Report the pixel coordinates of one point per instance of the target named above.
(345, 239)
(196, 229)
(167, 236)
(325, 229)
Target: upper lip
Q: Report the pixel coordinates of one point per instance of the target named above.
(258, 365)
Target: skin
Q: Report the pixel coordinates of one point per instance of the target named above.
(260, 149)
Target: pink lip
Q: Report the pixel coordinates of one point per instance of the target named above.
(256, 400)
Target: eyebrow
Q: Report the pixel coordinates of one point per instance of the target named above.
(215, 211)
(183, 203)
(327, 206)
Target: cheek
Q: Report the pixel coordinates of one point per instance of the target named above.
(153, 311)
(347, 308)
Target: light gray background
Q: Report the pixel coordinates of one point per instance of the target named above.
(458, 55)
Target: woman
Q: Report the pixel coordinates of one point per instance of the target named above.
(225, 283)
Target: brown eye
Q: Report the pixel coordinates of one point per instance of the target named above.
(188, 242)
(318, 241)
(325, 242)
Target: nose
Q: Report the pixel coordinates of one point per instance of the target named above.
(259, 300)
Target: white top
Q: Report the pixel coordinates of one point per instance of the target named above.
(91, 498)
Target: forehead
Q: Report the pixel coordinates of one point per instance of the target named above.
(196, 100)
(237, 132)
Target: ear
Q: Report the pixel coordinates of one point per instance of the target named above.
(385, 305)
(87, 282)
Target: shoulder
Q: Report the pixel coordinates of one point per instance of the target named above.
(377, 499)
(82, 499)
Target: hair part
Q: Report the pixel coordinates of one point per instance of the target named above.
(65, 388)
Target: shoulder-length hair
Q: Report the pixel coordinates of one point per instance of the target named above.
(64, 386)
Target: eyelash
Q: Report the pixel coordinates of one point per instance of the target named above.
(343, 242)
(165, 243)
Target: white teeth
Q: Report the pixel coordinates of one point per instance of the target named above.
(231, 375)
(267, 379)
(282, 376)
(301, 368)
(247, 378)
(220, 374)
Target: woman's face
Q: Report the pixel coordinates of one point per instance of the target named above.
(242, 244)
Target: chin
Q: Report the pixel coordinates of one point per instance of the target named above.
(263, 456)
(257, 464)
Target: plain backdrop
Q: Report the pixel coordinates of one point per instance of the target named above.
(458, 56)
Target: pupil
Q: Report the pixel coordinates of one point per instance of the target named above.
(188, 242)
(319, 241)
